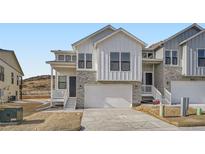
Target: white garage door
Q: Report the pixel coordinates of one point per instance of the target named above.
(195, 90)
(108, 96)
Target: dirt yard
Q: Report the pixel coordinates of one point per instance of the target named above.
(48, 121)
(35, 120)
(172, 115)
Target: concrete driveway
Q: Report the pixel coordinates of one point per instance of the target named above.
(121, 120)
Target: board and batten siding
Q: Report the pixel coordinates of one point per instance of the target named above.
(174, 43)
(119, 43)
(87, 46)
(191, 57)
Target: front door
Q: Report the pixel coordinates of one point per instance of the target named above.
(148, 78)
(72, 86)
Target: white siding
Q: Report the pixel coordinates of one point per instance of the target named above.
(87, 46)
(159, 53)
(192, 69)
(119, 43)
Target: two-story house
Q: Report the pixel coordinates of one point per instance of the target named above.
(182, 72)
(113, 68)
(10, 76)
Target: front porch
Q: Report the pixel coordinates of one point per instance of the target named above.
(63, 85)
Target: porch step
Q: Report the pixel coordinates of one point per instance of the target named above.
(147, 99)
(70, 104)
(58, 102)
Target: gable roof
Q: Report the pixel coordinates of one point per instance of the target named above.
(156, 45)
(93, 34)
(17, 67)
(125, 32)
(190, 38)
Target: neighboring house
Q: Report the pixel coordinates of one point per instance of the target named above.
(10, 76)
(113, 68)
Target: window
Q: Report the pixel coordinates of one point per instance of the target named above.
(147, 55)
(81, 60)
(1, 73)
(85, 60)
(61, 57)
(174, 58)
(168, 57)
(12, 78)
(68, 58)
(62, 82)
(74, 58)
(114, 61)
(125, 61)
(88, 60)
(201, 57)
(17, 80)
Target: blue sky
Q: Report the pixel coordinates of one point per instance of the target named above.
(32, 42)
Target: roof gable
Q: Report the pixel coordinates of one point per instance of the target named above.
(123, 31)
(94, 34)
(6, 56)
(156, 45)
(190, 38)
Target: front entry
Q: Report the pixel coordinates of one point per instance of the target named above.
(147, 80)
(72, 86)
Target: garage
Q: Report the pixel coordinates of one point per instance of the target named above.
(195, 90)
(108, 96)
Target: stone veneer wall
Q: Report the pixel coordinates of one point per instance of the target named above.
(159, 77)
(82, 78)
(89, 77)
(175, 74)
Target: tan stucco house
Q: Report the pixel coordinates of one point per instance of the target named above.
(114, 68)
(10, 76)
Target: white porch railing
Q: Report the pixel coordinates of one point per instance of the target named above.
(146, 89)
(150, 90)
(66, 96)
(58, 94)
(167, 96)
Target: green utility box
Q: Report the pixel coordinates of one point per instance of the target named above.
(199, 111)
(11, 114)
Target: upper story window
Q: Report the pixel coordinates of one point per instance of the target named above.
(114, 61)
(1, 73)
(81, 60)
(12, 78)
(17, 80)
(171, 57)
(68, 58)
(85, 60)
(62, 82)
(74, 58)
(147, 55)
(119, 61)
(61, 57)
(125, 61)
(89, 60)
(201, 57)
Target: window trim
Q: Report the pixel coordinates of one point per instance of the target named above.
(198, 57)
(120, 70)
(85, 59)
(61, 55)
(12, 78)
(171, 64)
(66, 86)
(3, 73)
(145, 52)
(121, 62)
(110, 62)
(66, 58)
